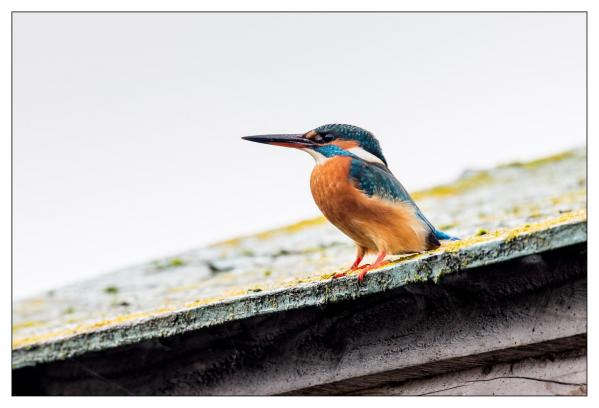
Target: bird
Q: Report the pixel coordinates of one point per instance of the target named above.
(354, 189)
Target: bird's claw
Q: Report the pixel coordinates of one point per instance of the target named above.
(363, 273)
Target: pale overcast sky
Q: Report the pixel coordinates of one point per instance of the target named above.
(127, 126)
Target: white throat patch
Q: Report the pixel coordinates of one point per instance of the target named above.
(318, 158)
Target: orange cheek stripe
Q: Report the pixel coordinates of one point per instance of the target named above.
(345, 144)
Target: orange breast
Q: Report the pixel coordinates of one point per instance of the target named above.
(373, 223)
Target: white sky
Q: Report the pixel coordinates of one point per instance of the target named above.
(126, 132)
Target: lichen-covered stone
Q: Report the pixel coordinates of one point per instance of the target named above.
(510, 211)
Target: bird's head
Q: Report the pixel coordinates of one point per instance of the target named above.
(328, 141)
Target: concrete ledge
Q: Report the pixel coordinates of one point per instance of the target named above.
(519, 308)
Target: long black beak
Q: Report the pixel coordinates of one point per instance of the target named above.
(296, 141)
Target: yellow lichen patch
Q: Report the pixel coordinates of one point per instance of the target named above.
(289, 229)
(510, 234)
(86, 327)
(184, 288)
(229, 242)
(203, 302)
(327, 276)
(226, 295)
(571, 197)
(483, 177)
(409, 257)
(461, 185)
(26, 325)
(542, 161)
(573, 216)
(318, 276)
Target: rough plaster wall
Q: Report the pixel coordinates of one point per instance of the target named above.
(564, 374)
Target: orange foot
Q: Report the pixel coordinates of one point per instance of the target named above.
(355, 266)
(340, 274)
(380, 261)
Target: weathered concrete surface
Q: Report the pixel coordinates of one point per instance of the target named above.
(509, 212)
(561, 374)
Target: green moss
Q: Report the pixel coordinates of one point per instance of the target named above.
(481, 231)
(176, 262)
(69, 310)
(111, 290)
(171, 263)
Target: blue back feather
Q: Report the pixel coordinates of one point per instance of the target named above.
(441, 235)
(378, 181)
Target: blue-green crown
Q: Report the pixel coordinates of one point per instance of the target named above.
(366, 139)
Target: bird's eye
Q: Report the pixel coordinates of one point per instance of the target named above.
(328, 137)
(324, 138)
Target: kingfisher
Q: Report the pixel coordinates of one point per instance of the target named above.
(355, 190)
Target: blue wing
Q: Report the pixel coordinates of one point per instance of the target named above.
(377, 180)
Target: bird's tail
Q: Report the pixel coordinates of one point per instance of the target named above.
(443, 236)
